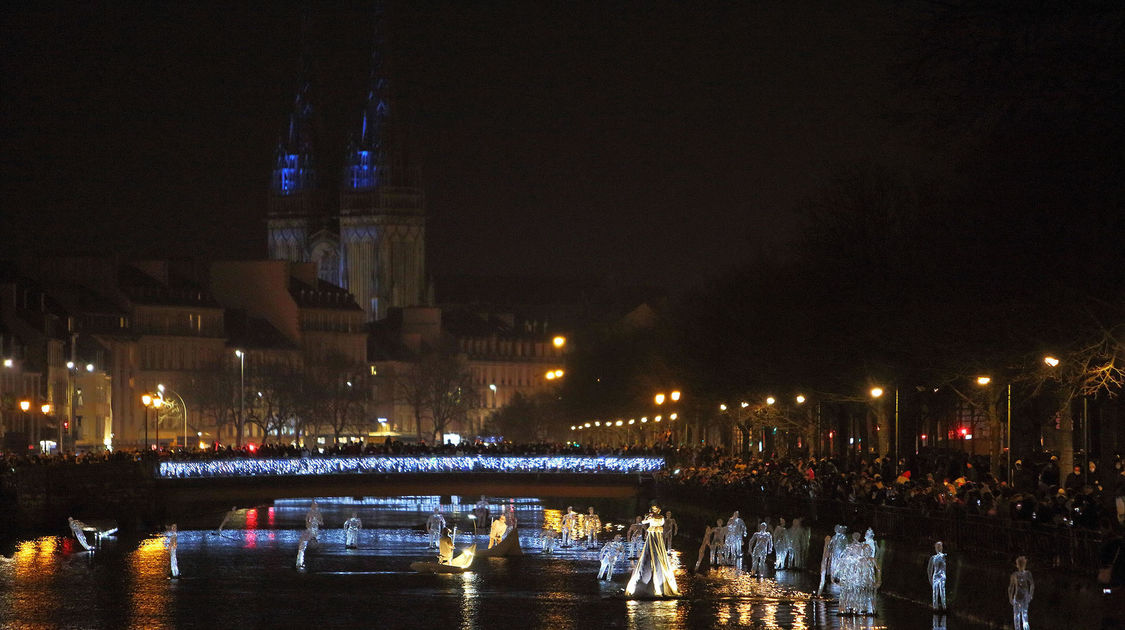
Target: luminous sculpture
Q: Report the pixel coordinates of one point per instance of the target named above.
(612, 553)
(435, 525)
(171, 542)
(703, 546)
(591, 523)
(78, 528)
(313, 521)
(652, 577)
(736, 531)
(719, 544)
(569, 526)
(935, 570)
(351, 531)
(480, 511)
(833, 548)
(782, 546)
(499, 529)
(550, 539)
(671, 528)
(635, 537)
(1021, 588)
(761, 544)
(857, 573)
(799, 539)
(302, 544)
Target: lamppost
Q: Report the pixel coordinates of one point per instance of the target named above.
(241, 395)
(46, 409)
(983, 381)
(877, 392)
(183, 405)
(146, 400)
(25, 405)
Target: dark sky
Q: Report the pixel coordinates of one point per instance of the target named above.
(650, 141)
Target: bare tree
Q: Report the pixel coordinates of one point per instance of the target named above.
(338, 390)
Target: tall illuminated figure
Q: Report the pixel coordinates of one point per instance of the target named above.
(78, 528)
(351, 531)
(935, 569)
(782, 546)
(171, 542)
(435, 525)
(761, 544)
(671, 528)
(612, 553)
(591, 523)
(313, 521)
(718, 543)
(569, 526)
(736, 531)
(652, 577)
(1021, 588)
(302, 545)
(635, 537)
(799, 539)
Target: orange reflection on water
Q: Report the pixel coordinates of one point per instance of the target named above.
(149, 597)
(552, 519)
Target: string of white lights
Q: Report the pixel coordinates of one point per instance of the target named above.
(392, 464)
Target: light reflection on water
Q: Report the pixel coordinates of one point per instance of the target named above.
(245, 577)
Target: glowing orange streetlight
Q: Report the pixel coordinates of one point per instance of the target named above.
(675, 395)
(25, 405)
(659, 398)
(559, 341)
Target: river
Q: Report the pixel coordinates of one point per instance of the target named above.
(245, 578)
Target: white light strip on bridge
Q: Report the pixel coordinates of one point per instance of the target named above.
(388, 464)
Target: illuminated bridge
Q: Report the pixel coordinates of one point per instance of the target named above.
(181, 484)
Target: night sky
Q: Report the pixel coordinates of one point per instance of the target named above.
(654, 142)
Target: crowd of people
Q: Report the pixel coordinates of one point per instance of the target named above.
(931, 483)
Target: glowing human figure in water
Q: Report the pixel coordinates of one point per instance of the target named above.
(78, 528)
(569, 526)
(935, 570)
(435, 525)
(782, 546)
(736, 531)
(591, 523)
(351, 531)
(761, 544)
(313, 522)
(1021, 588)
(653, 577)
(610, 555)
(171, 541)
(302, 545)
(499, 529)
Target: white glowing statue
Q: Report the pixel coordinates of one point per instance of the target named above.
(761, 544)
(653, 577)
(736, 531)
(799, 540)
(435, 525)
(351, 531)
(498, 531)
(313, 522)
(635, 537)
(78, 528)
(782, 546)
(830, 560)
(858, 575)
(719, 544)
(171, 541)
(591, 523)
(302, 545)
(935, 570)
(612, 553)
(569, 526)
(1021, 588)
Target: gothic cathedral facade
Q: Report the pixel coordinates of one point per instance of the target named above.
(370, 238)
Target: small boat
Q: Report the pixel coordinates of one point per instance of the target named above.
(460, 564)
(508, 547)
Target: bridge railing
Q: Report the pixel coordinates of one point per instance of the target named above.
(402, 464)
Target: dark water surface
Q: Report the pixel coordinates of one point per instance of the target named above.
(245, 578)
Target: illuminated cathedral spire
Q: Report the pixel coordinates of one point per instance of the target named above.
(293, 169)
(366, 159)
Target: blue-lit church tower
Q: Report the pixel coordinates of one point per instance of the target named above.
(373, 244)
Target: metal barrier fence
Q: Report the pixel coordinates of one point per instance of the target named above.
(1001, 539)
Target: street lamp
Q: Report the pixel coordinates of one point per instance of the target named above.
(877, 392)
(659, 399)
(770, 400)
(241, 395)
(675, 395)
(800, 399)
(559, 341)
(1051, 361)
(983, 381)
(183, 405)
(146, 400)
